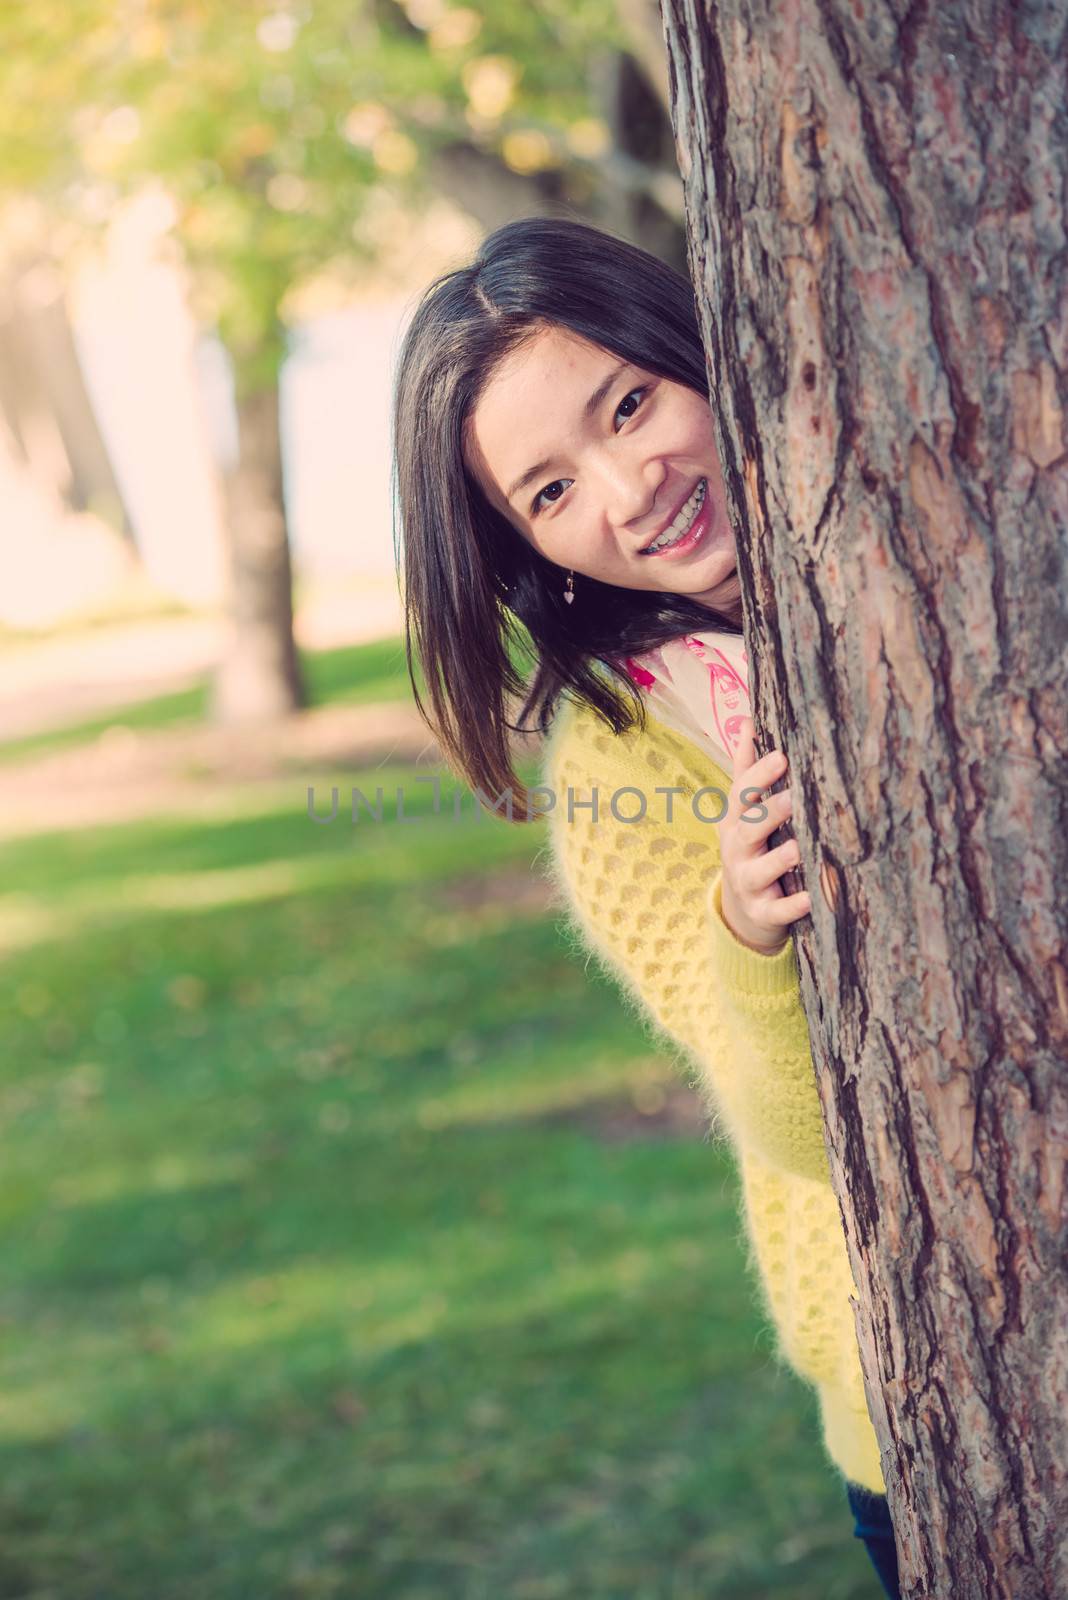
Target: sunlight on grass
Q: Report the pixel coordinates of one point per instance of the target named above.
(257, 1310)
(389, 852)
(559, 1084)
(360, 674)
(42, 1411)
(24, 923)
(322, 1275)
(170, 1175)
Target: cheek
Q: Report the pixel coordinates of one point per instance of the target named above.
(702, 448)
(546, 541)
(685, 427)
(700, 427)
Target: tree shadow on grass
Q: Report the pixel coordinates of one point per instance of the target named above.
(474, 1434)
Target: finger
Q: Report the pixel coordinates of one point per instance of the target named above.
(750, 795)
(763, 773)
(785, 855)
(762, 872)
(762, 816)
(757, 882)
(746, 753)
(764, 890)
(788, 908)
(743, 755)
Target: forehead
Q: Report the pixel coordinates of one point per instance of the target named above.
(531, 403)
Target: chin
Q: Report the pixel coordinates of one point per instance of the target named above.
(724, 596)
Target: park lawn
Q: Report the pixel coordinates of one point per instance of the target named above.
(320, 1278)
(358, 674)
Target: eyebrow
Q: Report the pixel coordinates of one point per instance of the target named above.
(590, 407)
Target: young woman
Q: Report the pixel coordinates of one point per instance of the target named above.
(555, 467)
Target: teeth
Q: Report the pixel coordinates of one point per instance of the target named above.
(683, 521)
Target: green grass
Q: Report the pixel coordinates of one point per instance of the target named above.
(350, 675)
(311, 1285)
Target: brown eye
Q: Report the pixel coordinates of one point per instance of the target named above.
(536, 505)
(628, 397)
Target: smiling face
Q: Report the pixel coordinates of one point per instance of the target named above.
(591, 459)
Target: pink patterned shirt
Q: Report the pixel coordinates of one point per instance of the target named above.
(698, 684)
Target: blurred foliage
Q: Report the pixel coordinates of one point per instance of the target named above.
(283, 134)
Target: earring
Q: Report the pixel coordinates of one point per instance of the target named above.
(569, 588)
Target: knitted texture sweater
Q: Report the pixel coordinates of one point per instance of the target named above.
(645, 897)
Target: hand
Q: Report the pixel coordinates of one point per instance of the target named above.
(755, 907)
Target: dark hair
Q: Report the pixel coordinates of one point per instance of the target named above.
(470, 578)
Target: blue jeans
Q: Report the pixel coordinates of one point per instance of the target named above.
(875, 1528)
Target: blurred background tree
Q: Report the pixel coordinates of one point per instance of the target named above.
(293, 142)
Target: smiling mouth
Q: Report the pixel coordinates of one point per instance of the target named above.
(682, 524)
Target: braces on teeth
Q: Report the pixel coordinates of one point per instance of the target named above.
(675, 532)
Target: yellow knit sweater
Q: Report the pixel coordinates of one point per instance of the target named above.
(645, 897)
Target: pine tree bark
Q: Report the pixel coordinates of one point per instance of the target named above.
(876, 214)
(258, 677)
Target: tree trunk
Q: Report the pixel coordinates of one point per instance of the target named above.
(44, 398)
(876, 228)
(258, 678)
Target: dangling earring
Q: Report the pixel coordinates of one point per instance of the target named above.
(569, 588)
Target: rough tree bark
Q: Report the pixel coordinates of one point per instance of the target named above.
(876, 210)
(258, 677)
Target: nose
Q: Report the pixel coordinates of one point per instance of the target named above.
(631, 489)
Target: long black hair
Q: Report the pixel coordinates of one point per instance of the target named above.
(469, 577)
